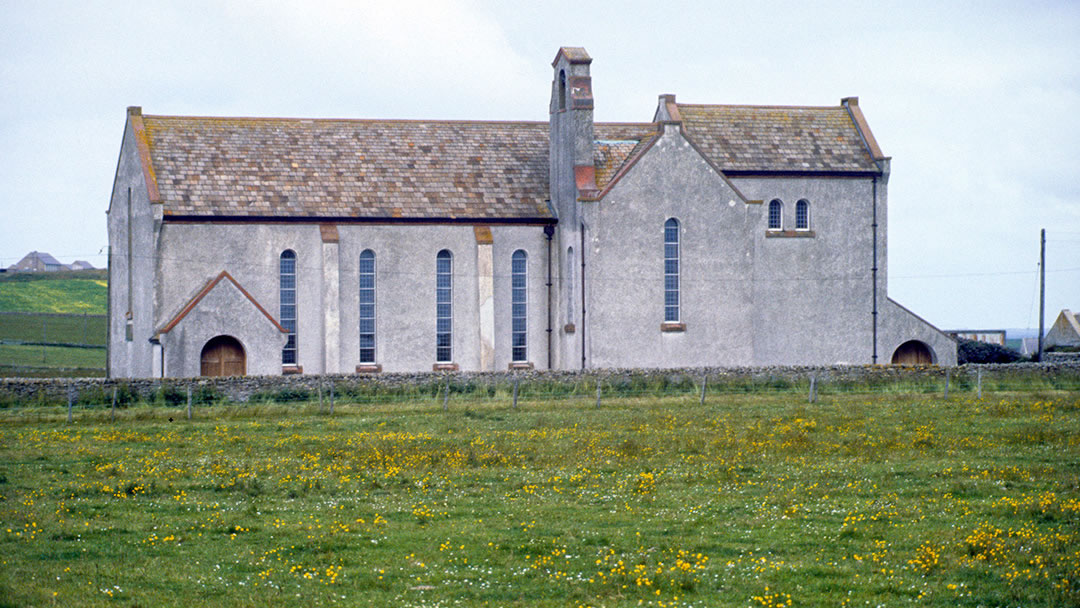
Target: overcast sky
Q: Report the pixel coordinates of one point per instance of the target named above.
(978, 104)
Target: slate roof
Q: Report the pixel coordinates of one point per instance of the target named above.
(349, 168)
(34, 259)
(778, 138)
(259, 167)
(456, 170)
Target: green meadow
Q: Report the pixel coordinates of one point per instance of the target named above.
(51, 361)
(56, 292)
(53, 329)
(749, 500)
(58, 309)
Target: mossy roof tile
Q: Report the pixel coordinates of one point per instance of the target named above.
(778, 138)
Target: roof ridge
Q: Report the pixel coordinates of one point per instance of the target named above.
(750, 105)
(347, 120)
(643, 124)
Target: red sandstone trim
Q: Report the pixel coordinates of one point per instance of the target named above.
(202, 294)
(789, 234)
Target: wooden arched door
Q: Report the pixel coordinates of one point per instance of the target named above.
(223, 356)
(913, 352)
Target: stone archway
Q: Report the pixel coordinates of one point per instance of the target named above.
(223, 356)
(913, 352)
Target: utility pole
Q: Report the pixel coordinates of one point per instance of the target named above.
(1042, 290)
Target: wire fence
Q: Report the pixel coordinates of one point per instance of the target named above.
(332, 395)
(41, 345)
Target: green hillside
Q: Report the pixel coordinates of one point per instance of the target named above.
(56, 292)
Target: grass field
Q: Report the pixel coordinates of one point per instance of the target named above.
(53, 329)
(57, 292)
(17, 354)
(754, 500)
(51, 361)
(78, 294)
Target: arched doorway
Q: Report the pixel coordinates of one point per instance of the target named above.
(913, 352)
(223, 356)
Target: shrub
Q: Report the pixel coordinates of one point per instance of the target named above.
(171, 395)
(971, 351)
(288, 394)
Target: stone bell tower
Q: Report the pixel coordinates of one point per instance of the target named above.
(572, 176)
(571, 153)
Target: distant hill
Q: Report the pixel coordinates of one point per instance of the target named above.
(79, 292)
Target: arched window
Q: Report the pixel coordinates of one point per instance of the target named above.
(776, 212)
(562, 89)
(671, 271)
(367, 306)
(444, 314)
(802, 215)
(519, 304)
(287, 298)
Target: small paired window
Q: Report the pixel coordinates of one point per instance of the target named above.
(367, 307)
(802, 215)
(776, 214)
(444, 317)
(671, 271)
(519, 305)
(287, 301)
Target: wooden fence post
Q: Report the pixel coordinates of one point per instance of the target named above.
(598, 392)
(947, 374)
(331, 397)
(813, 388)
(112, 410)
(704, 381)
(320, 396)
(189, 402)
(516, 382)
(978, 381)
(71, 397)
(446, 395)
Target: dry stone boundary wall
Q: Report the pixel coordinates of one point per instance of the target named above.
(243, 389)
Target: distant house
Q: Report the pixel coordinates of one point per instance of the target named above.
(1024, 346)
(38, 261)
(1065, 331)
(82, 265)
(990, 336)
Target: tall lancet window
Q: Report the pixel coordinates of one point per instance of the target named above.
(519, 304)
(367, 306)
(287, 297)
(444, 313)
(671, 271)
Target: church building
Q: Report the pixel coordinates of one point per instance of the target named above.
(711, 235)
